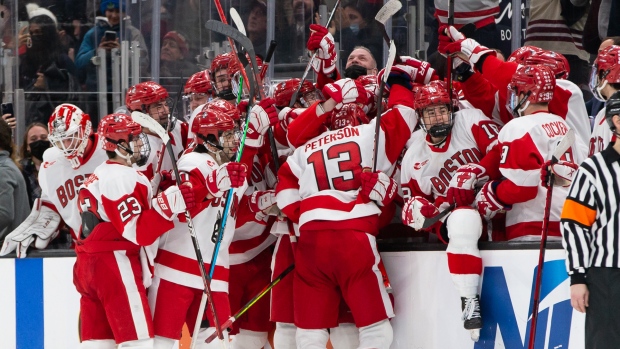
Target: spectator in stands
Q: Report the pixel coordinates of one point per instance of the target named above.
(257, 26)
(10, 120)
(361, 31)
(45, 67)
(175, 67)
(31, 154)
(294, 34)
(14, 206)
(94, 39)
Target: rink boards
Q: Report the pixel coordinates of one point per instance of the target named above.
(39, 305)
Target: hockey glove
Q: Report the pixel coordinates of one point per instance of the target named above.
(487, 202)
(162, 181)
(262, 116)
(286, 116)
(169, 203)
(346, 91)
(463, 184)
(448, 35)
(322, 42)
(262, 201)
(563, 171)
(471, 50)
(416, 210)
(229, 175)
(378, 187)
(40, 227)
(408, 72)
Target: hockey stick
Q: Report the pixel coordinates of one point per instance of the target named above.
(563, 146)
(386, 74)
(303, 77)
(270, 50)
(430, 221)
(234, 15)
(253, 301)
(385, 13)
(146, 121)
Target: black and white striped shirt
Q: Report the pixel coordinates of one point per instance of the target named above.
(590, 221)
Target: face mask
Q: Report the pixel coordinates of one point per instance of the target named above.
(38, 42)
(354, 71)
(355, 28)
(37, 148)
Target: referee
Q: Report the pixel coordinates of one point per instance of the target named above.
(590, 226)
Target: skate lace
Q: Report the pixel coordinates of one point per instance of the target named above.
(472, 309)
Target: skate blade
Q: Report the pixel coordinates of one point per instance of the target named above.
(475, 334)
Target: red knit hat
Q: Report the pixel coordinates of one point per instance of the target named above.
(180, 40)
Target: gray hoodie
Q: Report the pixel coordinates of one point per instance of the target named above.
(14, 206)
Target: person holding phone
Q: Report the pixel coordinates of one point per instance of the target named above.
(7, 115)
(107, 34)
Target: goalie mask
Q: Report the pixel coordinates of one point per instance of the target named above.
(432, 103)
(214, 130)
(605, 70)
(69, 128)
(150, 98)
(529, 84)
(120, 132)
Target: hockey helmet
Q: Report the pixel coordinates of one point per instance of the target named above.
(119, 131)
(69, 128)
(350, 114)
(556, 61)
(533, 84)
(140, 96)
(522, 53)
(285, 89)
(432, 99)
(606, 69)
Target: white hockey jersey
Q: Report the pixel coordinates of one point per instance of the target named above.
(178, 139)
(479, 12)
(601, 134)
(176, 257)
(60, 182)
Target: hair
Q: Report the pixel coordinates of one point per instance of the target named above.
(614, 39)
(53, 45)
(6, 141)
(23, 150)
(111, 154)
(370, 53)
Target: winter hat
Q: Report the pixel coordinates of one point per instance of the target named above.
(110, 5)
(34, 10)
(180, 40)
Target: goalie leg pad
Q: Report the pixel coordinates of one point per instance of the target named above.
(464, 261)
(284, 337)
(98, 344)
(312, 339)
(345, 336)
(376, 336)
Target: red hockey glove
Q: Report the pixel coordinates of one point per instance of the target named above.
(378, 187)
(448, 35)
(416, 210)
(346, 91)
(243, 106)
(229, 175)
(261, 201)
(463, 184)
(188, 195)
(262, 116)
(322, 42)
(470, 50)
(488, 203)
(286, 116)
(409, 71)
(563, 171)
(170, 202)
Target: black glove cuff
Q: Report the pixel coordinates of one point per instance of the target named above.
(463, 72)
(399, 81)
(577, 278)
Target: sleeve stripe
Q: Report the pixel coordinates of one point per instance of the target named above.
(578, 213)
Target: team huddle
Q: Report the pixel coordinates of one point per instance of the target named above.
(309, 183)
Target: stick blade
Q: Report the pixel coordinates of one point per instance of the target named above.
(566, 142)
(234, 15)
(390, 60)
(148, 122)
(388, 10)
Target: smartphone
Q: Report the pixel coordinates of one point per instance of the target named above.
(21, 25)
(6, 108)
(109, 36)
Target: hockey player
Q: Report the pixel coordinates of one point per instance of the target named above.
(119, 216)
(319, 189)
(75, 154)
(566, 103)
(151, 98)
(448, 157)
(604, 82)
(177, 287)
(197, 91)
(526, 143)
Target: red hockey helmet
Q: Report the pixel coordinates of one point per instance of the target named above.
(556, 61)
(120, 131)
(220, 62)
(144, 94)
(199, 83)
(349, 115)
(210, 120)
(519, 55)
(535, 83)
(225, 107)
(433, 95)
(284, 91)
(69, 128)
(605, 70)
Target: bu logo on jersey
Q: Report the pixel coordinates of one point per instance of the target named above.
(498, 311)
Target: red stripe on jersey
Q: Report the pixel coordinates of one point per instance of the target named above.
(464, 264)
(327, 202)
(531, 228)
(510, 193)
(522, 153)
(287, 180)
(559, 103)
(480, 93)
(188, 265)
(242, 246)
(396, 133)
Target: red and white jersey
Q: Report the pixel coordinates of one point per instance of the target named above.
(319, 183)
(601, 134)
(526, 143)
(176, 257)
(60, 182)
(479, 12)
(426, 169)
(178, 139)
(120, 195)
